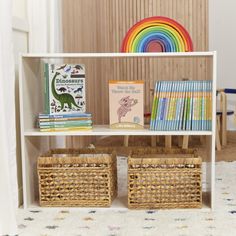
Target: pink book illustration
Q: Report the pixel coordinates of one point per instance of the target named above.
(126, 104)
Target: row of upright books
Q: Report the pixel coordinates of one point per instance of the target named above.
(182, 105)
(65, 122)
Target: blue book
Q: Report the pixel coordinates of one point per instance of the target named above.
(182, 113)
(164, 105)
(194, 97)
(155, 105)
(172, 110)
(178, 105)
(189, 121)
(55, 116)
(200, 105)
(209, 106)
(159, 105)
(203, 120)
(169, 92)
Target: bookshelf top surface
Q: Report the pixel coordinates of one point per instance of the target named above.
(117, 55)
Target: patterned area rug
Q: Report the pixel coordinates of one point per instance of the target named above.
(124, 222)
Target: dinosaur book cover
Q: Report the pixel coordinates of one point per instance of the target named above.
(64, 88)
(126, 104)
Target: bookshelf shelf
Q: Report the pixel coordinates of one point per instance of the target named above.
(34, 142)
(103, 130)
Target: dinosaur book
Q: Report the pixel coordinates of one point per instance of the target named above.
(64, 88)
(126, 104)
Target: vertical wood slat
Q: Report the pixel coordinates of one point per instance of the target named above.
(100, 26)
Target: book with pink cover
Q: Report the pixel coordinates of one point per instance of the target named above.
(126, 104)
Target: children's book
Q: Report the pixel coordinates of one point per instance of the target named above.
(63, 129)
(59, 116)
(154, 105)
(64, 88)
(126, 104)
(62, 124)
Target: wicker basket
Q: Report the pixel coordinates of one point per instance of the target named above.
(77, 177)
(160, 179)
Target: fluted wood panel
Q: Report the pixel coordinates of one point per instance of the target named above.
(100, 26)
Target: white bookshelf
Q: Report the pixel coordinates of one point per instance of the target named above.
(34, 142)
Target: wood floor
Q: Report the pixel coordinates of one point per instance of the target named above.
(228, 153)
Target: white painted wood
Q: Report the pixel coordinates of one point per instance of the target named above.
(110, 55)
(23, 156)
(20, 24)
(20, 44)
(55, 26)
(34, 142)
(105, 130)
(19, 9)
(213, 137)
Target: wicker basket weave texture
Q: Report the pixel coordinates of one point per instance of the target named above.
(162, 178)
(77, 177)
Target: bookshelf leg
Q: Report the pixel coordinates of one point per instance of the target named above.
(69, 142)
(185, 142)
(126, 140)
(153, 141)
(180, 141)
(202, 139)
(168, 141)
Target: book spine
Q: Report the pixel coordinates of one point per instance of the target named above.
(177, 106)
(46, 88)
(203, 105)
(64, 119)
(185, 109)
(154, 106)
(200, 104)
(163, 104)
(165, 108)
(72, 115)
(197, 104)
(209, 105)
(170, 106)
(175, 98)
(194, 106)
(191, 107)
(166, 122)
(159, 105)
(65, 123)
(66, 129)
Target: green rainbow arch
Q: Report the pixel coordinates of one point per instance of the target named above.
(157, 34)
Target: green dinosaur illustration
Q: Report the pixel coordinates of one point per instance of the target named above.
(64, 98)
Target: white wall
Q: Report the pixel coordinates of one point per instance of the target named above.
(20, 40)
(223, 40)
(20, 9)
(36, 28)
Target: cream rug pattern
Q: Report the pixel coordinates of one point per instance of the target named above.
(124, 222)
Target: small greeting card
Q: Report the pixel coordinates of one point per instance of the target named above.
(126, 104)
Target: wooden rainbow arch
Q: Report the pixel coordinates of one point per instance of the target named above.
(157, 34)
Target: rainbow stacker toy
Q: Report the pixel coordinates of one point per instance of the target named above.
(157, 34)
